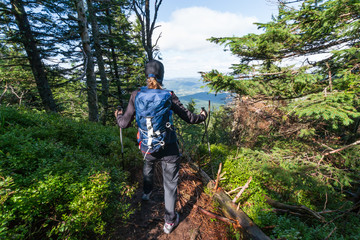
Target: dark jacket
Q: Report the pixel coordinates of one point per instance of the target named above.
(124, 121)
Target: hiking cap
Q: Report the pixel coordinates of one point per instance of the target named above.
(155, 69)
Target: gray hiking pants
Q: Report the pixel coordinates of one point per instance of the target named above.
(170, 162)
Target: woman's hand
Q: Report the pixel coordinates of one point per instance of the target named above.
(203, 112)
(118, 111)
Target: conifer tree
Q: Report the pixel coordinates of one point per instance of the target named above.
(90, 72)
(55, 30)
(309, 55)
(33, 54)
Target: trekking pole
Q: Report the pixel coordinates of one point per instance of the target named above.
(122, 145)
(121, 137)
(207, 135)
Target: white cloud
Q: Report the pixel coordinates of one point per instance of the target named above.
(183, 44)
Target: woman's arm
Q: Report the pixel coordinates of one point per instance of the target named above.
(124, 120)
(184, 113)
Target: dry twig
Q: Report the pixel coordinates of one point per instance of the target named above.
(218, 177)
(330, 234)
(298, 209)
(242, 190)
(234, 190)
(213, 215)
(343, 148)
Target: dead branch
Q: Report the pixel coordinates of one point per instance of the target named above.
(242, 190)
(19, 97)
(5, 90)
(328, 236)
(299, 209)
(218, 177)
(330, 80)
(205, 178)
(343, 148)
(248, 229)
(222, 175)
(356, 206)
(326, 200)
(213, 215)
(234, 190)
(324, 145)
(264, 74)
(277, 210)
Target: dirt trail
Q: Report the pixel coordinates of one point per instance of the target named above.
(147, 222)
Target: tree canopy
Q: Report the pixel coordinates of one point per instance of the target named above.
(61, 44)
(308, 55)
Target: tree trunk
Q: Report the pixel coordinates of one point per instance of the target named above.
(90, 74)
(147, 26)
(114, 62)
(33, 54)
(100, 61)
(148, 44)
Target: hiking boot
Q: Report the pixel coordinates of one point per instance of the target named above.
(146, 196)
(168, 227)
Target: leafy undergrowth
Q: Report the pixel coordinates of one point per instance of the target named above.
(284, 173)
(61, 179)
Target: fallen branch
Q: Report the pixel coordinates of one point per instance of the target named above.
(218, 177)
(213, 215)
(242, 190)
(222, 174)
(247, 228)
(356, 206)
(234, 190)
(205, 178)
(276, 210)
(300, 209)
(324, 145)
(343, 148)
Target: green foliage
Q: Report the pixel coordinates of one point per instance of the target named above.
(272, 64)
(284, 175)
(189, 134)
(60, 178)
(305, 64)
(336, 108)
(64, 61)
(221, 119)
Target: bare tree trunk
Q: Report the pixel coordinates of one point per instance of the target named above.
(33, 54)
(100, 61)
(114, 62)
(148, 43)
(90, 74)
(147, 26)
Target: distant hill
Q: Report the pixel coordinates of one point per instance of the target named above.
(193, 88)
(220, 97)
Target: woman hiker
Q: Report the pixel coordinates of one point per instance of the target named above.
(153, 107)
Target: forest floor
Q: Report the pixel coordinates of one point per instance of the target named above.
(147, 222)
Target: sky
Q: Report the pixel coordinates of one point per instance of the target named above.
(186, 24)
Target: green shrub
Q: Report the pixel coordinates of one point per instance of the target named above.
(61, 178)
(291, 180)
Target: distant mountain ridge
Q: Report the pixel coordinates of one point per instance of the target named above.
(192, 88)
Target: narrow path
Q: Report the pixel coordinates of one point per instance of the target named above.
(147, 222)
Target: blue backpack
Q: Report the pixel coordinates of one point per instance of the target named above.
(154, 119)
